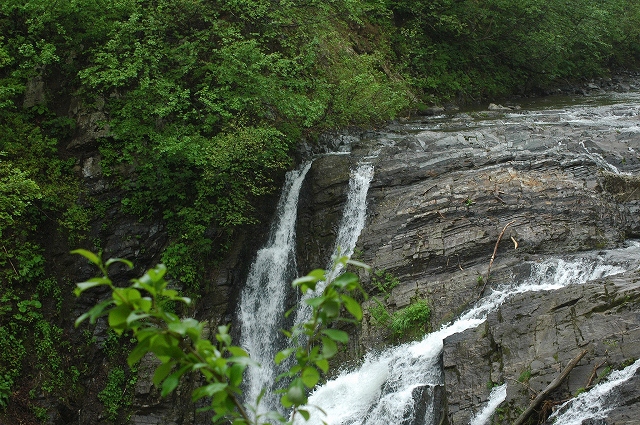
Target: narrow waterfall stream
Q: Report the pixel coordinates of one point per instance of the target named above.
(381, 391)
(496, 397)
(355, 210)
(351, 224)
(262, 298)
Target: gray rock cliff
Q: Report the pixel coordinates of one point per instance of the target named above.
(445, 190)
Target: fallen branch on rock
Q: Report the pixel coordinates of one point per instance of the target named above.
(594, 373)
(552, 386)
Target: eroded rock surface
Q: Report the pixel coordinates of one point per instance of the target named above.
(439, 201)
(529, 340)
(544, 181)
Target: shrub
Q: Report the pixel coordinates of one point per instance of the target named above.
(411, 320)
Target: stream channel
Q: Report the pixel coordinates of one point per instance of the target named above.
(428, 200)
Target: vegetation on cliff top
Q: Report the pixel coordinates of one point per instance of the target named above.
(195, 107)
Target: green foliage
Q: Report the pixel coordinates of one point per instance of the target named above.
(525, 375)
(181, 348)
(118, 391)
(16, 193)
(112, 344)
(30, 342)
(5, 390)
(491, 384)
(469, 49)
(604, 373)
(47, 352)
(50, 288)
(37, 192)
(40, 413)
(379, 313)
(411, 320)
(206, 101)
(384, 282)
(17, 315)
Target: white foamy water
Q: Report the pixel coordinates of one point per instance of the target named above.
(595, 403)
(380, 391)
(355, 212)
(262, 298)
(496, 397)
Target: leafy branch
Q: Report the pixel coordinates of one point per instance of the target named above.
(179, 345)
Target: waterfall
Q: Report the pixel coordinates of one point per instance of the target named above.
(262, 299)
(355, 210)
(597, 402)
(381, 391)
(351, 224)
(263, 296)
(496, 397)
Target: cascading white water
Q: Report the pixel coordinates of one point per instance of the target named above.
(381, 391)
(351, 224)
(262, 298)
(597, 402)
(496, 397)
(355, 210)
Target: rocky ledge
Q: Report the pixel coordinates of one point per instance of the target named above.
(531, 339)
(460, 202)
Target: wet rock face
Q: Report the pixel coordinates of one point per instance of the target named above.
(439, 201)
(528, 341)
(320, 209)
(546, 182)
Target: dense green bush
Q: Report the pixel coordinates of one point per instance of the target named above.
(407, 323)
(412, 320)
(207, 102)
(472, 50)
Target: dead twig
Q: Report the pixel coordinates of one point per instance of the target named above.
(524, 384)
(594, 373)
